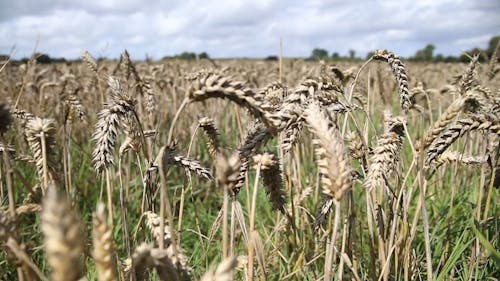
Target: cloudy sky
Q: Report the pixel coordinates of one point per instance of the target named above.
(243, 28)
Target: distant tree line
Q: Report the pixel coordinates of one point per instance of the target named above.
(189, 56)
(41, 58)
(425, 54)
(321, 54)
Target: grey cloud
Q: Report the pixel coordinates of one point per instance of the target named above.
(244, 27)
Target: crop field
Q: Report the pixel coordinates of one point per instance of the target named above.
(250, 170)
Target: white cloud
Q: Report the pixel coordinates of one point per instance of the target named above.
(243, 27)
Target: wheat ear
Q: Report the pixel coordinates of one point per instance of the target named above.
(473, 122)
(386, 154)
(211, 85)
(40, 137)
(106, 129)
(272, 178)
(213, 142)
(467, 78)
(399, 71)
(257, 136)
(103, 253)
(63, 231)
(223, 272)
(447, 117)
(145, 256)
(330, 152)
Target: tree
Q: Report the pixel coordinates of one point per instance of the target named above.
(335, 55)
(369, 55)
(319, 54)
(439, 57)
(42, 58)
(494, 41)
(352, 54)
(426, 54)
(203, 55)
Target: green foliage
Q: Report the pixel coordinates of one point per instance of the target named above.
(352, 54)
(318, 54)
(492, 44)
(425, 54)
(203, 55)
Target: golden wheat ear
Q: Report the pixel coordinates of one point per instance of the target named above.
(64, 238)
(387, 153)
(103, 252)
(213, 141)
(272, 177)
(401, 74)
(223, 272)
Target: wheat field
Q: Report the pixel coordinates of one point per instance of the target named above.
(250, 170)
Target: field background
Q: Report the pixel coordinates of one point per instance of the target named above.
(440, 221)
